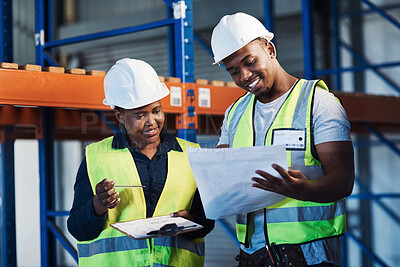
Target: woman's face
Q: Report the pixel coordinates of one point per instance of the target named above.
(144, 124)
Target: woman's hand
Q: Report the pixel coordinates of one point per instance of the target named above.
(106, 197)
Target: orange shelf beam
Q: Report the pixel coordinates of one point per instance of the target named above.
(63, 90)
(47, 89)
(371, 108)
(211, 99)
(74, 98)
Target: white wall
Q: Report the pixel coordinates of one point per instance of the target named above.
(68, 155)
(382, 40)
(27, 202)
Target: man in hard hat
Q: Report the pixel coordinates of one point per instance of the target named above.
(303, 229)
(142, 153)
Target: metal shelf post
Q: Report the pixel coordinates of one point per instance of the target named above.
(308, 44)
(269, 15)
(183, 33)
(184, 58)
(335, 44)
(39, 31)
(46, 184)
(8, 253)
(6, 25)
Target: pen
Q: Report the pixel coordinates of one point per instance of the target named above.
(129, 186)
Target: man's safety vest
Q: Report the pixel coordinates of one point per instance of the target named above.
(290, 221)
(113, 248)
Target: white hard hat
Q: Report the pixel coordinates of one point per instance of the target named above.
(234, 32)
(132, 83)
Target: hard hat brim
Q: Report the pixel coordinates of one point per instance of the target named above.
(164, 91)
(268, 38)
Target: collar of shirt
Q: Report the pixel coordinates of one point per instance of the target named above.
(168, 142)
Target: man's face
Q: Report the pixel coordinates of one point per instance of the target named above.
(252, 68)
(143, 124)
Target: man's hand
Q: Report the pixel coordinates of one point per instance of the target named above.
(337, 160)
(292, 184)
(106, 197)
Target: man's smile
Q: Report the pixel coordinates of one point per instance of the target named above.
(253, 84)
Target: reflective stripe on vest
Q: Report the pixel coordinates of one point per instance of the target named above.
(106, 245)
(163, 245)
(289, 221)
(112, 247)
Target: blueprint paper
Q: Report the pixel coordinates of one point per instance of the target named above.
(223, 177)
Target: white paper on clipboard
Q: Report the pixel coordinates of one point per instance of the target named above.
(140, 229)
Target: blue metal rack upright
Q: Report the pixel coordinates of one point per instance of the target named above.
(7, 190)
(7, 205)
(6, 48)
(181, 24)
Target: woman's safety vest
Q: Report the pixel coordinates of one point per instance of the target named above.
(113, 248)
(289, 221)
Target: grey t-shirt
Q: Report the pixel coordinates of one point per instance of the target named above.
(330, 124)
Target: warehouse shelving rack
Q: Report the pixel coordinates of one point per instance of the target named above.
(49, 106)
(43, 118)
(363, 64)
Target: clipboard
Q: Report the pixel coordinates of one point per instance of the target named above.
(156, 227)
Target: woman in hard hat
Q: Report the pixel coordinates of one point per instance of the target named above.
(303, 229)
(142, 153)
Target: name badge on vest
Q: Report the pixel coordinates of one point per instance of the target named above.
(294, 139)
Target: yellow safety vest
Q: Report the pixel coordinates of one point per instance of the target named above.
(290, 221)
(113, 248)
